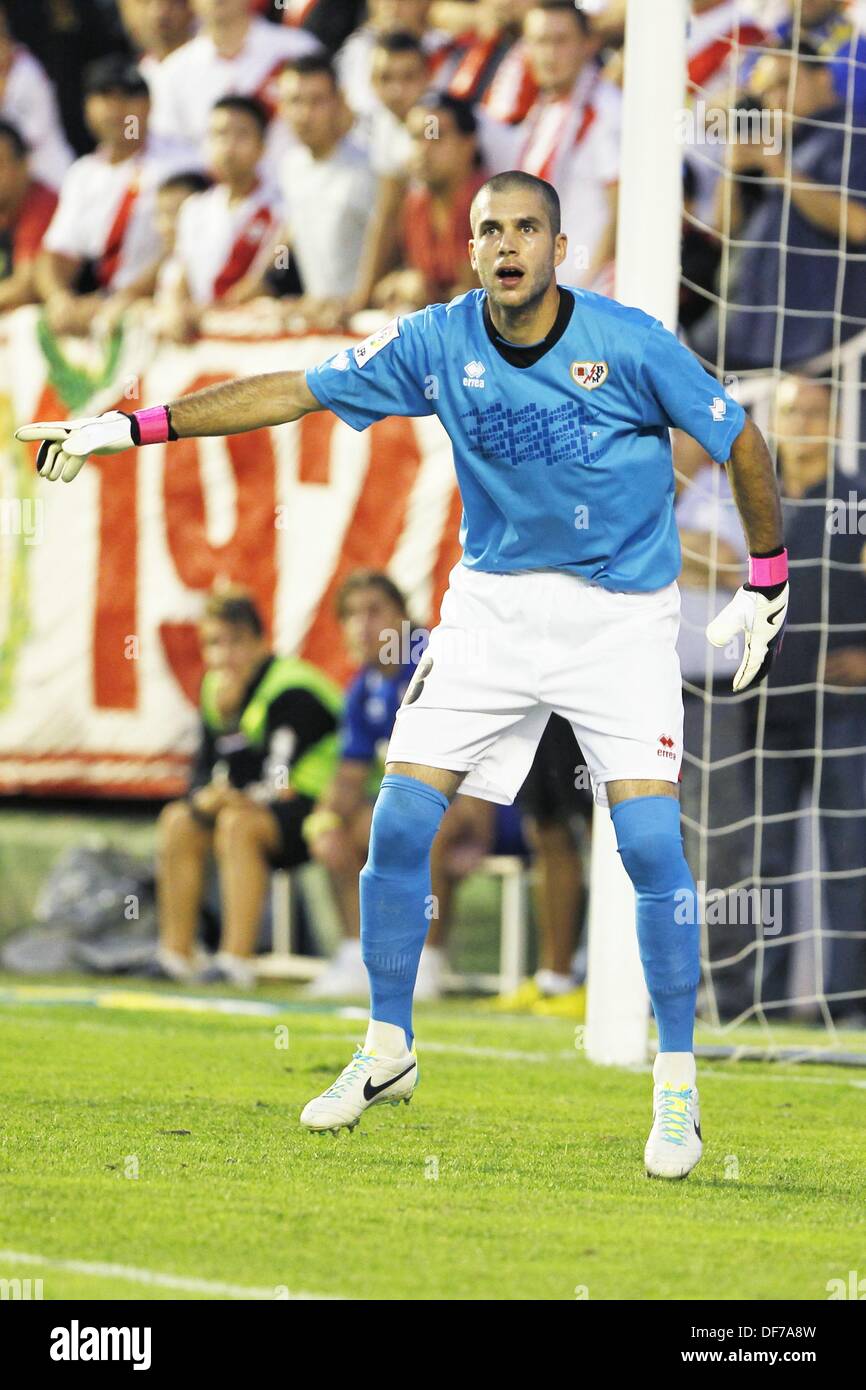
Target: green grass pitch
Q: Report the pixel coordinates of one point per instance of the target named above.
(167, 1143)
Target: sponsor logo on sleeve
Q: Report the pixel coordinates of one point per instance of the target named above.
(376, 341)
(589, 375)
(719, 408)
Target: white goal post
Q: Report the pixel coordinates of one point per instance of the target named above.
(648, 276)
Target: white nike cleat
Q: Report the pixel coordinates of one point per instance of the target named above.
(369, 1079)
(674, 1145)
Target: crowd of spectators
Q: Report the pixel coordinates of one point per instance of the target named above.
(175, 156)
(365, 132)
(340, 158)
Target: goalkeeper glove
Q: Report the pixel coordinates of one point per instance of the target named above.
(757, 609)
(67, 444)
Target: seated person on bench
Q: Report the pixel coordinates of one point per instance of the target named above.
(267, 749)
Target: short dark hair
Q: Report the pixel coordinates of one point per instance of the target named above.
(571, 7)
(10, 132)
(248, 106)
(311, 63)
(516, 178)
(114, 73)
(236, 606)
(462, 111)
(400, 41)
(189, 181)
(368, 579)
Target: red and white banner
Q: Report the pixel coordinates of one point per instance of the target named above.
(102, 581)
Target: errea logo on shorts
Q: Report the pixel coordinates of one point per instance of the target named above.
(718, 408)
(474, 372)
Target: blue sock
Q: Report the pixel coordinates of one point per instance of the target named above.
(651, 848)
(396, 895)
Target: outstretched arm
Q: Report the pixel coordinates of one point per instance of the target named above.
(248, 403)
(233, 407)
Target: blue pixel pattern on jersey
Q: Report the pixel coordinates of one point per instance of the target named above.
(503, 432)
(563, 464)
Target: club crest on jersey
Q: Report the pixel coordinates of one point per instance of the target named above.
(376, 341)
(474, 374)
(589, 375)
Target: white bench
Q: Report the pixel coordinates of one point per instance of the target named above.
(311, 881)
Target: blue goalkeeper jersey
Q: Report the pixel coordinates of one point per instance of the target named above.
(561, 448)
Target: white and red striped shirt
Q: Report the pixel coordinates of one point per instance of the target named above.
(218, 242)
(573, 143)
(716, 46)
(106, 213)
(187, 83)
(513, 89)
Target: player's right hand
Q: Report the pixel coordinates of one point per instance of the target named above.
(67, 444)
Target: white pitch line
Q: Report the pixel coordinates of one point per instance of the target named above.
(162, 1281)
(497, 1054)
(716, 1074)
(709, 1071)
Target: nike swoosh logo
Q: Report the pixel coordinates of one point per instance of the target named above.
(772, 618)
(371, 1091)
(698, 1131)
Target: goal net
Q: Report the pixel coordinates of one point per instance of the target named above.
(773, 299)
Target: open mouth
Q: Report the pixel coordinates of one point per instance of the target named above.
(509, 275)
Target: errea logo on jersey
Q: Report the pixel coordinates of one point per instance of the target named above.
(719, 408)
(474, 372)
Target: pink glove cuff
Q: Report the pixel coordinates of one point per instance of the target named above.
(772, 570)
(153, 424)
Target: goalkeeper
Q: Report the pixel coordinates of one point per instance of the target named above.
(558, 403)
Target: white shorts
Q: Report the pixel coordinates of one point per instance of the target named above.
(510, 649)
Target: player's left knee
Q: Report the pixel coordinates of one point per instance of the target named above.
(650, 843)
(655, 862)
(651, 848)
